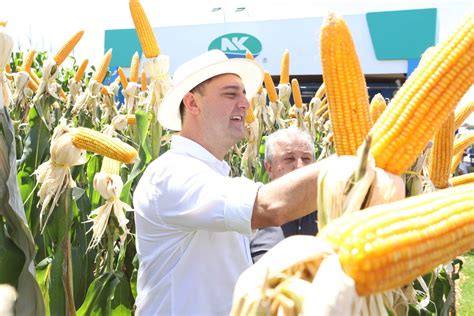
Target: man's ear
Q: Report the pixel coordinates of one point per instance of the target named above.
(190, 103)
(268, 167)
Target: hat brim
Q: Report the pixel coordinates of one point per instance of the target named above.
(248, 70)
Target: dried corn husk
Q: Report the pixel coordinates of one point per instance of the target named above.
(54, 175)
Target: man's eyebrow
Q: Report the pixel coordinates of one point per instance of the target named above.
(233, 87)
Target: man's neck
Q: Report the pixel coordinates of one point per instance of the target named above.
(219, 154)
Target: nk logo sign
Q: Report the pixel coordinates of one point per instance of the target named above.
(236, 44)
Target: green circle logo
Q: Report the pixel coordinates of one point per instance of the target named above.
(236, 44)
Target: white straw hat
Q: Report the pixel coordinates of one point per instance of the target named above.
(199, 69)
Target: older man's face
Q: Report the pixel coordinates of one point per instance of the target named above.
(288, 155)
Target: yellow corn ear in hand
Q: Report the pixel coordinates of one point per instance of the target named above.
(345, 86)
(424, 101)
(387, 246)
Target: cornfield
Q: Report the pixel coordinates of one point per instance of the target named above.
(71, 156)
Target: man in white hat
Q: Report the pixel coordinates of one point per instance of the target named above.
(193, 221)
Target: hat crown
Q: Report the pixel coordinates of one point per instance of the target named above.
(196, 64)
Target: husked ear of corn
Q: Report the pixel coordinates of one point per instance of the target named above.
(462, 179)
(285, 68)
(28, 60)
(270, 86)
(101, 71)
(462, 142)
(144, 30)
(345, 86)
(99, 143)
(377, 106)
(442, 153)
(456, 161)
(295, 89)
(134, 67)
(320, 92)
(143, 81)
(81, 70)
(123, 77)
(462, 113)
(67, 48)
(423, 102)
(389, 245)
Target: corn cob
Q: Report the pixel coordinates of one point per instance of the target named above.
(28, 60)
(456, 161)
(442, 154)
(462, 113)
(81, 70)
(134, 67)
(123, 77)
(104, 90)
(99, 143)
(462, 179)
(424, 101)
(34, 77)
(320, 92)
(322, 109)
(32, 84)
(144, 30)
(143, 81)
(346, 89)
(3, 23)
(377, 106)
(67, 48)
(8, 70)
(101, 71)
(249, 116)
(270, 86)
(295, 87)
(389, 245)
(462, 142)
(285, 68)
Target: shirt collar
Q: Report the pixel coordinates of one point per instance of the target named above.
(183, 145)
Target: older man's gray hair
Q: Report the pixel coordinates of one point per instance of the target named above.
(286, 134)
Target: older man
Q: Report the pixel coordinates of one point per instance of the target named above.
(193, 221)
(285, 150)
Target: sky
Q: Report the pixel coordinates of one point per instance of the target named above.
(45, 25)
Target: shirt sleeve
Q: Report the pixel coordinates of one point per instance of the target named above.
(208, 201)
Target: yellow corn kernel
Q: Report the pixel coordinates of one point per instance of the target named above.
(462, 179)
(285, 68)
(123, 77)
(462, 113)
(28, 60)
(424, 101)
(134, 67)
(377, 106)
(295, 89)
(144, 30)
(387, 246)
(81, 70)
(345, 86)
(462, 142)
(270, 86)
(143, 81)
(321, 92)
(442, 154)
(67, 48)
(96, 142)
(101, 71)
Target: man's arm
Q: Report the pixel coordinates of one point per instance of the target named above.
(288, 197)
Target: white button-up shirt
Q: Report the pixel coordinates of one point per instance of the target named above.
(193, 228)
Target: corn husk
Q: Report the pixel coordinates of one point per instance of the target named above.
(54, 175)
